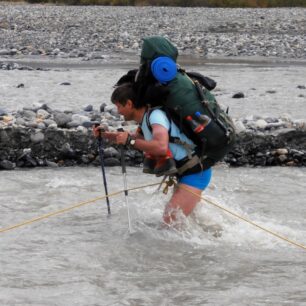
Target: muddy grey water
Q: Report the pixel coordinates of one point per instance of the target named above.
(83, 257)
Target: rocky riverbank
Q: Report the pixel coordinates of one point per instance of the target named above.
(97, 33)
(40, 136)
(43, 136)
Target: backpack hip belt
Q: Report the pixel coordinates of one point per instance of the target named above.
(189, 164)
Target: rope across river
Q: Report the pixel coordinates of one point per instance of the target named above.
(169, 183)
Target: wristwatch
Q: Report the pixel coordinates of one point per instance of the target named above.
(132, 142)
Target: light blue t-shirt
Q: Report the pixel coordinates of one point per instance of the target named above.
(158, 116)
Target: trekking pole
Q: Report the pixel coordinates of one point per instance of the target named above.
(101, 154)
(123, 167)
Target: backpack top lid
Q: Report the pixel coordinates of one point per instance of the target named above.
(155, 46)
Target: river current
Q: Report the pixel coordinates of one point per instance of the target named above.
(84, 257)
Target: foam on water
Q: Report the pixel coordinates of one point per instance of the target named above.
(209, 225)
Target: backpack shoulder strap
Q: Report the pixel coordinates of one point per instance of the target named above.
(150, 111)
(172, 139)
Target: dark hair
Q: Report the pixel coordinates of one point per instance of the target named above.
(123, 93)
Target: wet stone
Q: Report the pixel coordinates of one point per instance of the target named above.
(7, 165)
(282, 151)
(51, 164)
(37, 137)
(41, 113)
(238, 95)
(88, 108)
(111, 162)
(62, 119)
(111, 152)
(102, 107)
(28, 114)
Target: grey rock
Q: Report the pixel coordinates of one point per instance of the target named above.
(41, 125)
(90, 124)
(72, 124)
(4, 52)
(48, 122)
(4, 137)
(43, 114)
(28, 114)
(109, 108)
(31, 124)
(102, 107)
(82, 129)
(238, 95)
(51, 164)
(52, 126)
(45, 107)
(282, 151)
(239, 126)
(3, 112)
(37, 137)
(111, 152)
(282, 158)
(262, 124)
(111, 162)
(79, 119)
(20, 121)
(67, 151)
(85, 159)
(62, 119)
(7, 165)
(88, 108)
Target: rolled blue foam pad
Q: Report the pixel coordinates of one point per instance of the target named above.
(164, 69)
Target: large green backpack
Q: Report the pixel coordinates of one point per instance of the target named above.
(186, 94)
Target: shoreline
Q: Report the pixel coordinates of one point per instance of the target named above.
(41, 137)
(130, 60)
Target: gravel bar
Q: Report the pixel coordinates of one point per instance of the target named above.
(96, 32)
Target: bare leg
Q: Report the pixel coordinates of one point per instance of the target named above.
(181, 200)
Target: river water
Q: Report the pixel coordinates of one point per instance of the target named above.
(84, 257)
(270, 88)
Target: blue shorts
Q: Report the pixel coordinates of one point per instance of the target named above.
(198, 180)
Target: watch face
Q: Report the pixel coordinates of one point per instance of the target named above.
(132, 142)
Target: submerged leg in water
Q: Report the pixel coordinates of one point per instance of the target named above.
(181, 200)
(186, 195)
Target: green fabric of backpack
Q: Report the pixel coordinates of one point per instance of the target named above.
(186, 96)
